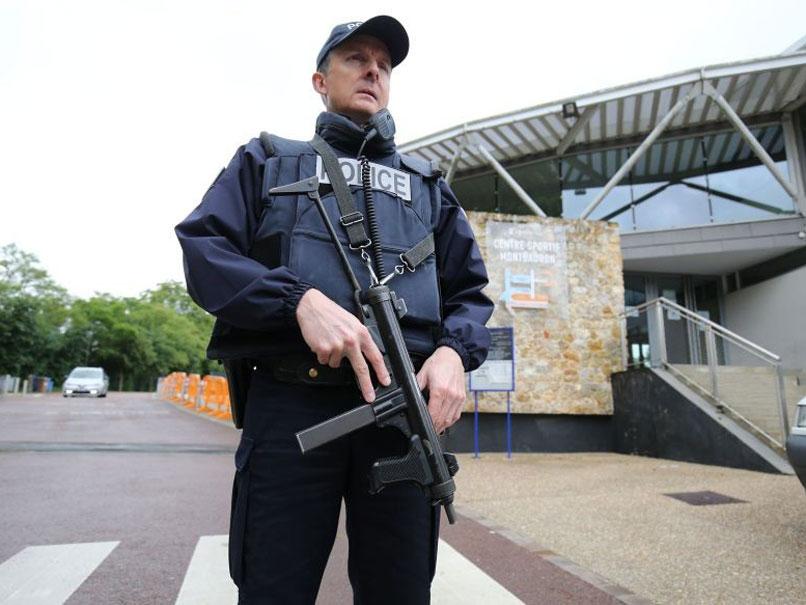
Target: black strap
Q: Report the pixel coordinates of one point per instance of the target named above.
(268, 145)
(351, 219)
(421, 250)
(268, 149)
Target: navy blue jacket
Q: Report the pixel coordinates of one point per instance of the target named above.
(255, 301)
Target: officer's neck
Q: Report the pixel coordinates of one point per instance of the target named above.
(343, 133)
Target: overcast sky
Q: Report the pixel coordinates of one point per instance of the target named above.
(116, 116)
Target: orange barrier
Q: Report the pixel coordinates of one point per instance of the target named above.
(208, 395)
(192, 390)
(171, 386)
(179, 385)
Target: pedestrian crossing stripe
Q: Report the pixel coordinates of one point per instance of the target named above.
(207, 580)
(457, 581)
(48, 575)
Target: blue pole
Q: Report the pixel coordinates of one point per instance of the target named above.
(476, 425)
(509, 428)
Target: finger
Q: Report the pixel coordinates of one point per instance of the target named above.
(370, 350)
(455, 415)
(436, 406)
(422, 378)
(361, 370)
(334, 361)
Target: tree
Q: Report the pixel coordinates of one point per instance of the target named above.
(46, 332)
(33, 309)
(101, 333)
(193, 332)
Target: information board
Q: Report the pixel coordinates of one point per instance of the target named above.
(497, 373)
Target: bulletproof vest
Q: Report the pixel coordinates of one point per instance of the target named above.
(405, 193)
(291, 233)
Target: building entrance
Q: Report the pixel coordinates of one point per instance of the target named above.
(685, 343)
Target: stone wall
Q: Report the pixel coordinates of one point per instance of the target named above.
(566, 352)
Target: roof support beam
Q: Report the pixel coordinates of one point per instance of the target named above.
(795, 149)
(519, 191)
(736, 198)
(760, 152)
(455, 160)
(695, 90)
(572, 134)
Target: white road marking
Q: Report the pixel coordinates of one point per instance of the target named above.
(207, 580)
(459, 581)
(48, 575)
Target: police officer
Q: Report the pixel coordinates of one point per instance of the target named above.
(266, 268)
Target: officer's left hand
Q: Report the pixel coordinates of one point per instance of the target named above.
(444, 377)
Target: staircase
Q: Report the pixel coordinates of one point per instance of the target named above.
(753, 396)
(748, 393)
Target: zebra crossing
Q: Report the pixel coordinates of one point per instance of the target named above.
(44, 575)
(48, 575)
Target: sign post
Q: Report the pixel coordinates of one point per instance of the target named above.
(476, 424)
(497, 374)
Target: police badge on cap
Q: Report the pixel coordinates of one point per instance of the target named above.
(387, 29)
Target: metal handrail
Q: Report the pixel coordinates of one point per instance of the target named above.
(712, 330)
(749, 346)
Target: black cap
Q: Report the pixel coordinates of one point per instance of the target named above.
(387, 29)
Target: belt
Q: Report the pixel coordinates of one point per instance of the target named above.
(305, 369)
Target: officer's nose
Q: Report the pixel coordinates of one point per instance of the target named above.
(373, 72)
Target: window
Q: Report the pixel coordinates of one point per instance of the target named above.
(681, 182)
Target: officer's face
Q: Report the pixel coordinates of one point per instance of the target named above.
(356, 82)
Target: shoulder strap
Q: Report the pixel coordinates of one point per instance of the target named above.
(421, 250)
(351, 219)
(268, 145)
(269, 149)
(426, 168)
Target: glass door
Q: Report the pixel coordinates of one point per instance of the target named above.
(677, 338)
(637, 329)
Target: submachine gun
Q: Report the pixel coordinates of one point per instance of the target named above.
(401, 404)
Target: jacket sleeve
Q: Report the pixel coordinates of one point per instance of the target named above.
(462, 276)
(215, 240)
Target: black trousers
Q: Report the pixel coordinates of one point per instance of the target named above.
(285, 505)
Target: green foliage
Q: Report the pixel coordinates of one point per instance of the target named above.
(43, 331)
(33, 309)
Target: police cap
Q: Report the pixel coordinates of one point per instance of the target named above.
(387, 29)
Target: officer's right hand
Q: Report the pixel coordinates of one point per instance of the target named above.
(333, 334)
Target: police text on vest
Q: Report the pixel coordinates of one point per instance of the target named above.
(383, 178)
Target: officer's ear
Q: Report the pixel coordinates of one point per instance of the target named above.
(319, 85)
(318, 81)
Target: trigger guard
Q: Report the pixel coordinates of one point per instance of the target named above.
(398, 421)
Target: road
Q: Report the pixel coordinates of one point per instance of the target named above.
(126, 500)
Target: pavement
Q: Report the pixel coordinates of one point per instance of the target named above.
(611, 514)
(126, 500)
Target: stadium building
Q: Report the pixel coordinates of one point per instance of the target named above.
(704, 174)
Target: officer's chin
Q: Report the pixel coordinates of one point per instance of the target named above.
(362, 111)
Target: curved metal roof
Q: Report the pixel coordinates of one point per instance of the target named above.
(753, 88)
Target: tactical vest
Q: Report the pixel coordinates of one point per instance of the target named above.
(291, 233)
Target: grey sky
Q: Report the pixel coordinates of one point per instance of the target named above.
(115, 116)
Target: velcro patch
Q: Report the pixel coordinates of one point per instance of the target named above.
(383, 178)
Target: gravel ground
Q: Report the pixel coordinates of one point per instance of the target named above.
(608, 513)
